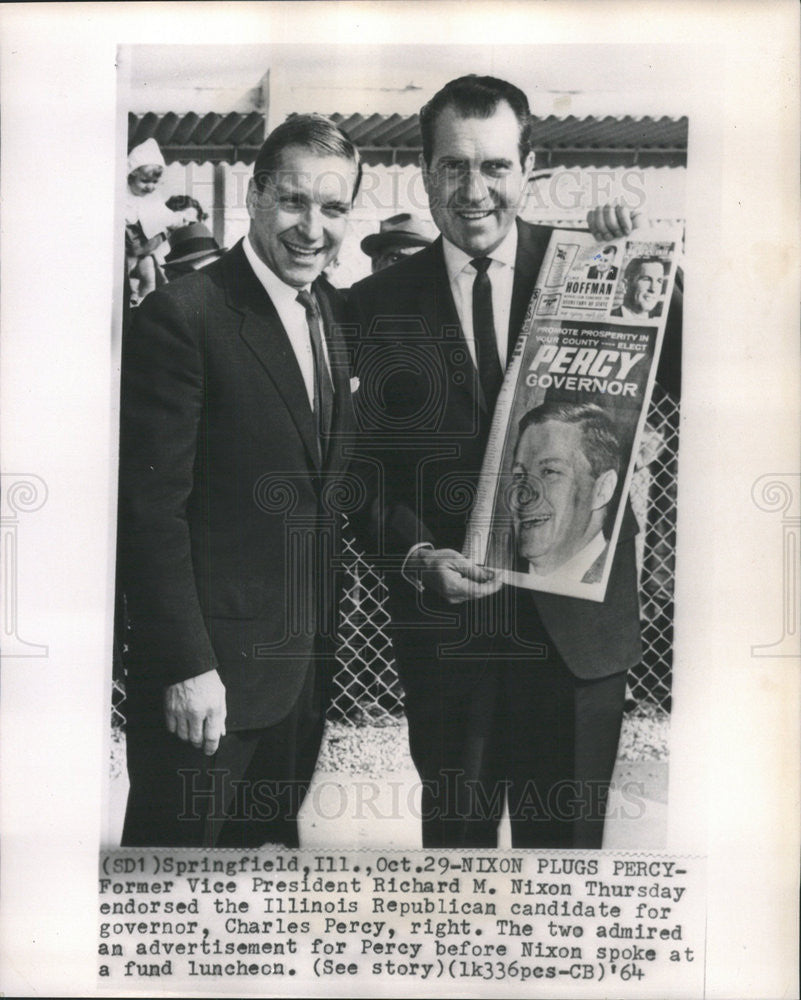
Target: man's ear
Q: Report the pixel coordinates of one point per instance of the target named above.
(251, 198)
(528, 165)
(424, 169)
(604, 489)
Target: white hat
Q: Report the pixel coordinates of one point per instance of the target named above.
(146, 154)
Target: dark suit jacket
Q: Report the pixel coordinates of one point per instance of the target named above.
(593, 274)
(653, 314)
(420, 402)
(225, 512)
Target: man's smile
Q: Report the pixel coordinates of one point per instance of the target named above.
(474, 214)
(534, 522)
(307, 253)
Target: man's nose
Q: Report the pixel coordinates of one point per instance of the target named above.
(474, 187)
(527, 494)
(311, 224)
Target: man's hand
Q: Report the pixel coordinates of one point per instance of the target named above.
(608, 222)
(195, 710)
(452, 576)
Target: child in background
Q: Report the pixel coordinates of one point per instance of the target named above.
(148, 221)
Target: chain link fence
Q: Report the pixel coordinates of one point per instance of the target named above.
(653, 497)
(366, 686)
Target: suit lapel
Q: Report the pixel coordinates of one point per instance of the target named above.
(434, 296)
(264, 333)
(435, 299)
(532, 242)
(343, 417)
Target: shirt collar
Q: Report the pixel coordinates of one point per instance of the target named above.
(577, 565)
(279, 291)
(630, 314)
(457, 260)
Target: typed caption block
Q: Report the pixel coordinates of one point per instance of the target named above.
(278, 921)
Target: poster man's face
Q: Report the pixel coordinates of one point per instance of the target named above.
(475, 182)
(606, 261)
(645, 289)
(555, 494)
(298, 221)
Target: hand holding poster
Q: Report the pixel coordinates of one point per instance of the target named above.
(570, 415)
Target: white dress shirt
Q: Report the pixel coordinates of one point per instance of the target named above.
(501, 271)
(630, 314)
(291, 313)
(461, 275)
(577, 565)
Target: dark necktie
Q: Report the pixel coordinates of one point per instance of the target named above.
(323, 389)
(487, 360)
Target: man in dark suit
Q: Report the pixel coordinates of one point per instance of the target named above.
(604, 269)
(643, 283)
(235, 393)
(509, 692)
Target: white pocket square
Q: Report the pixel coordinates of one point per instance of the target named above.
(354, 384)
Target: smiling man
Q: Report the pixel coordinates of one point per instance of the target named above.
(565, 472)
(604, 266)
(644, 280)
(475, 177)
(234, 396)
(512, 695)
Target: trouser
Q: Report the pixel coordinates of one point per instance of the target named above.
(245, 795)
(561, 736)
(531, 733)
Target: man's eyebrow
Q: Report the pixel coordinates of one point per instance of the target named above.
(289, 187)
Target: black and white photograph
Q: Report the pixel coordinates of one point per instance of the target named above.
(298, 455)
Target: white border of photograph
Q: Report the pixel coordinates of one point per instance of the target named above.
(734, 738)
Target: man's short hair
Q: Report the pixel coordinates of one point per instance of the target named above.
(476, 97)
(599, 438)
(313, 132)
(634, 265)
(180, 202)
(609, 249)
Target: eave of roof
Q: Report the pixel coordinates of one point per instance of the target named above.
(569, 141)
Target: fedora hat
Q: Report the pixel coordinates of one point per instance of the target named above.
(191, 243)
(404, 230)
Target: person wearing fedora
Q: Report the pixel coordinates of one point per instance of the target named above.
(191, 248)
(399, 236)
